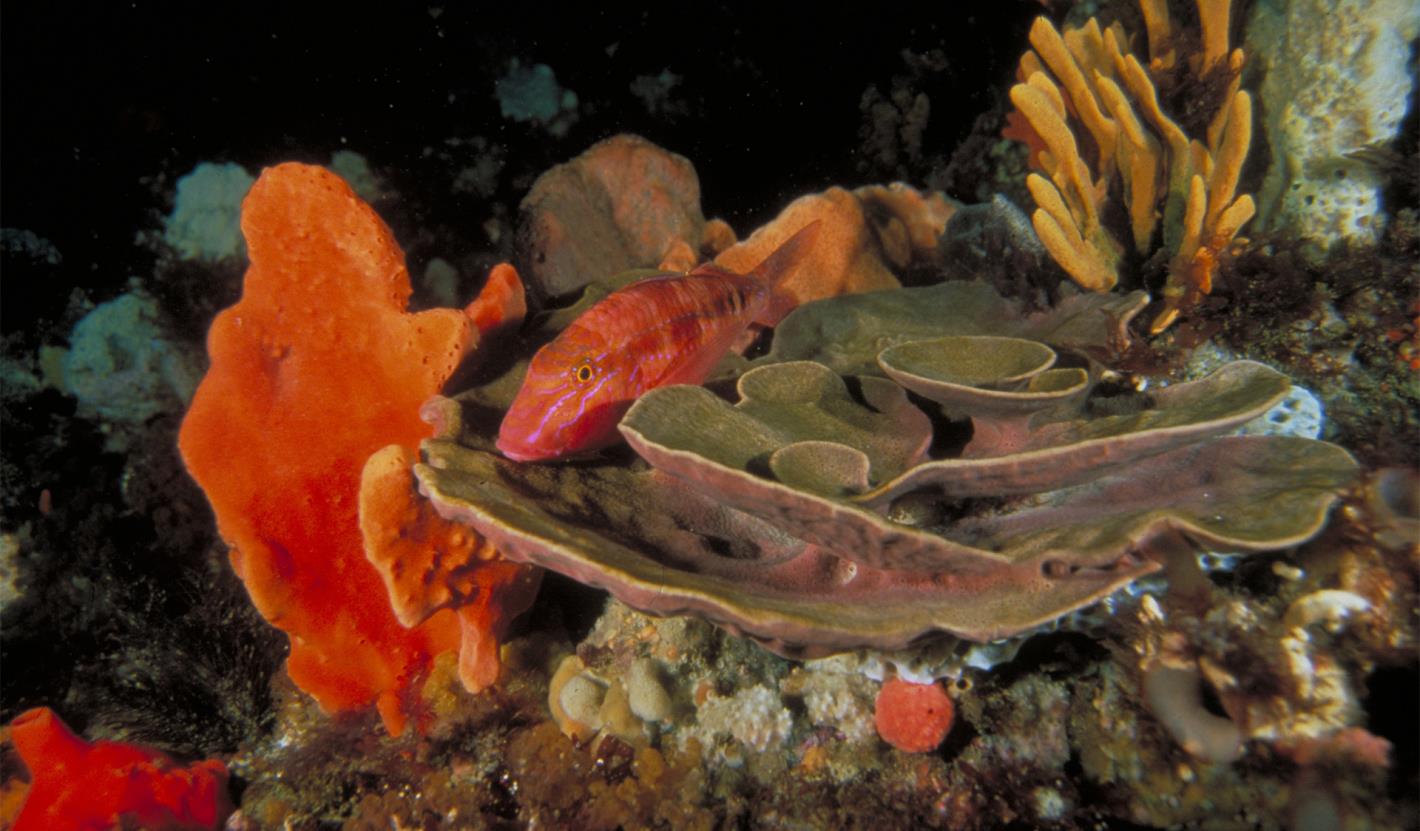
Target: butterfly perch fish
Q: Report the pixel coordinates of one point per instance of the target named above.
(666, 329)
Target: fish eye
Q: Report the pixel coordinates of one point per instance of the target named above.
(583, 372)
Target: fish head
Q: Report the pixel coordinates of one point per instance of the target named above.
(571, 401)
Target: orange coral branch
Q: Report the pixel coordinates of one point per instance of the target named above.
(1062, 237)
(1107, 89)
(1143, 160)
(1056, 55)
(1213, 19)
(1159, 32)
(1071, 176)
(1215, 127)
(1228, 161)
(1231, 220)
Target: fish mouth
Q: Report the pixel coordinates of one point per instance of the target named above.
(519, 452)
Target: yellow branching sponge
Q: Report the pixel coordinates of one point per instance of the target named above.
(1091, 111)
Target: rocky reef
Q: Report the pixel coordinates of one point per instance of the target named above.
(1100, 513)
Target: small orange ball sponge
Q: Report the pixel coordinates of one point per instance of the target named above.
(316, 367)
(913, 718)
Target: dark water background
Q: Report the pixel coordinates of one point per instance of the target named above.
(100, 97)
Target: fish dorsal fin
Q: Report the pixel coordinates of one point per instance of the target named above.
(771, 273)
(782, 262)
(790, 253)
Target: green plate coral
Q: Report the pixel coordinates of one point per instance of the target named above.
(781, 516)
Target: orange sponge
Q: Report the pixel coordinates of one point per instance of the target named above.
(502, 303)
(429, 563)
(316, 367)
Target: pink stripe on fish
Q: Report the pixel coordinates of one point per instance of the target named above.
(668, 329)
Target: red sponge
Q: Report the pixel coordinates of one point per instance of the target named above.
(101, 785)
(913, 717)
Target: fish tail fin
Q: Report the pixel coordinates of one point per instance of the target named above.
(784, 260)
